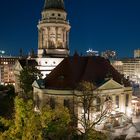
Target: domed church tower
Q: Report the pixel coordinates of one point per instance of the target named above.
(53, 36)
(53, 30)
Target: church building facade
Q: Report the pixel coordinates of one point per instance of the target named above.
(53, 36)
(65, 73)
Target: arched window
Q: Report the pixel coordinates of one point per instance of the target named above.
(117, 101)
(67, 103)
(127, 100)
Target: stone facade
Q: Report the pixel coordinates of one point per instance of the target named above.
(120, 96)
(53, 31)
(53, 36)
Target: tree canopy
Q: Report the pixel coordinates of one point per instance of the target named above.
(27, 124)
(27, 76)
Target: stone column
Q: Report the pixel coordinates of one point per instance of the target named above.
(114, 101)
(56, 36)
(40, 39)
(122, 103)
(67, 40)
(48, 46)
(47, 30)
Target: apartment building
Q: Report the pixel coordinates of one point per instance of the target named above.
(7, 69)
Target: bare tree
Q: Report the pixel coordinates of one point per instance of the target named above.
(93, 109)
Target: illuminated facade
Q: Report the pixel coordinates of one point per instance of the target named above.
(53, 36)
(7, 69)
(118, 65)
(131, 68)
(60, 86)
(137, 53)
(109, 54)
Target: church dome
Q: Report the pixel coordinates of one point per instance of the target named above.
(54, 4)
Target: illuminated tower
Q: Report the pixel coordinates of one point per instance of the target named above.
(53, 36)
(53, 30)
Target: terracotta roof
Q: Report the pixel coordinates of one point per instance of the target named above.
(72, 70)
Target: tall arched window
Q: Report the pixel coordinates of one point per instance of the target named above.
(67, 103)
(117, 101)
(127, 100)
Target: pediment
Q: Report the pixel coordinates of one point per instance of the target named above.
(111, 84)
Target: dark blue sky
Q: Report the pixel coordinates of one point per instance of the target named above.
(96, 24)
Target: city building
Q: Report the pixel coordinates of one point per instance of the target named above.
(7, 69)
(109, 54)
(19, 66)
(118, 65)
(131, 68)
(91, 52)
(137, 53)
(53, 36)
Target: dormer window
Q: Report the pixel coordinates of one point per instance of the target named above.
(53, 14)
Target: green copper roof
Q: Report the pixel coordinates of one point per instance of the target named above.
(54, 4)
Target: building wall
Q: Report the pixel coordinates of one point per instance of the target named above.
(53, 33)
(137, 53)
(42, 97)
(118, 65)
(46, 65)
(130, 68)
(7, 70)
(53, 39)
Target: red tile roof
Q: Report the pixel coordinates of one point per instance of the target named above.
(72, 70)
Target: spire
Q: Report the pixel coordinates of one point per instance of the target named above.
(54, 4)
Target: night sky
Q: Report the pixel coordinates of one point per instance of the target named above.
(96, 24)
